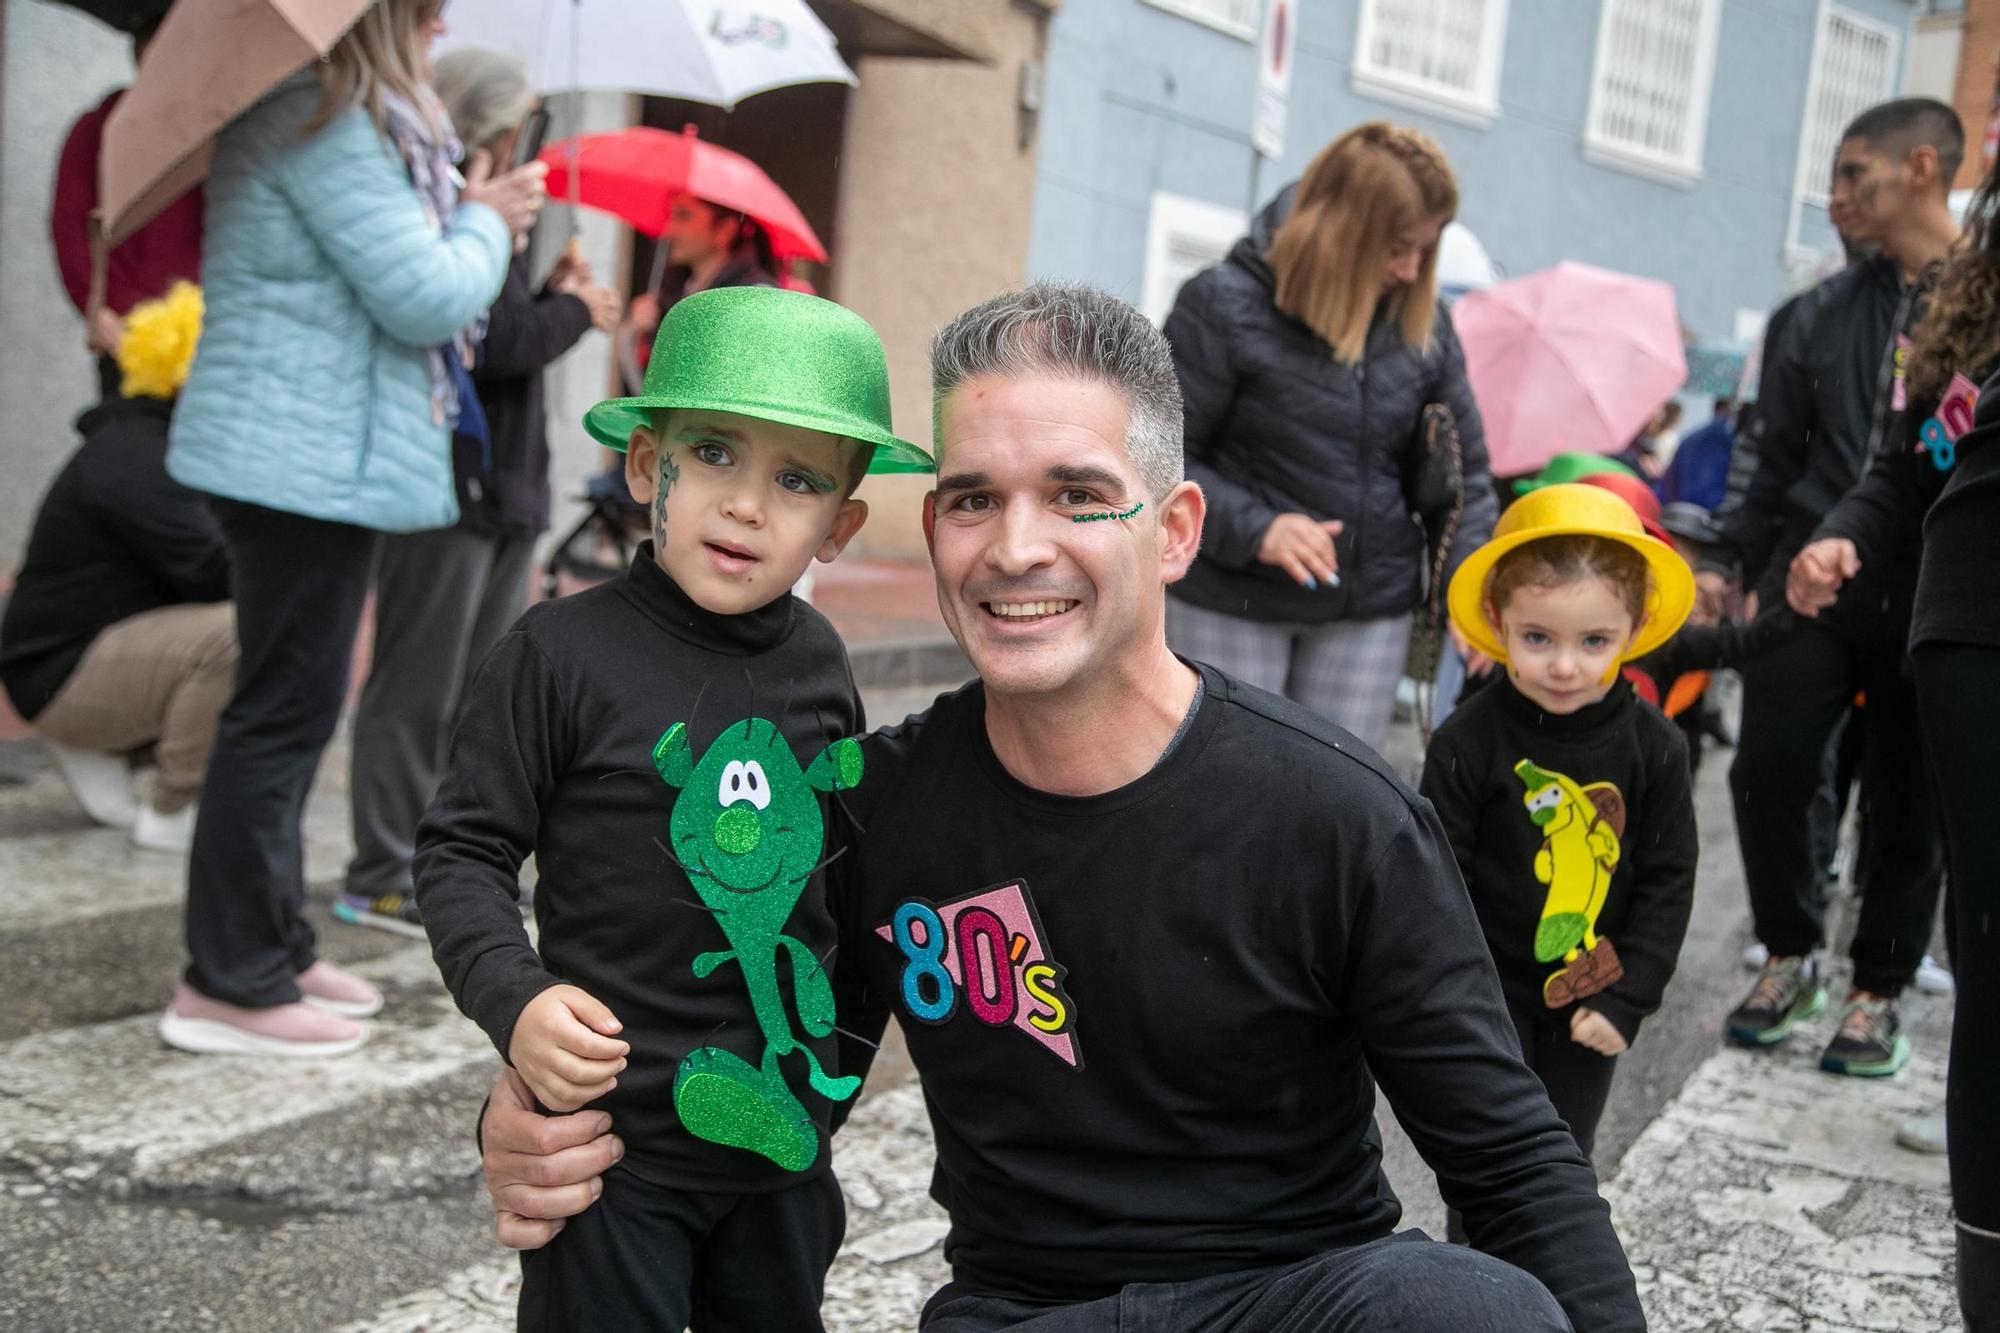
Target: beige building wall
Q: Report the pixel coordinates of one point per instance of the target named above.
(1974, 95)
(936, 189)
(57, 64)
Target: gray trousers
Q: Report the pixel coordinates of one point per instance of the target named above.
(1345, 671)
(442, 599)
(1405, 1281)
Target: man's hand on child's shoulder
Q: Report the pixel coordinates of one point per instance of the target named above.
(565, 1046)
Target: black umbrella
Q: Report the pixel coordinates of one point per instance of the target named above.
(128, 16)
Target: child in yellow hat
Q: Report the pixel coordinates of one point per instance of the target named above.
(1566, 798)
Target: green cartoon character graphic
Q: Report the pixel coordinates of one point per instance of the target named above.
(747, 829)
(1580, 829)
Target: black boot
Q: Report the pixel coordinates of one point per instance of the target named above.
(1979, 1279)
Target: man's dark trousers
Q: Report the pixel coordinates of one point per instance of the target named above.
(1405, 1281)
(1793, 700)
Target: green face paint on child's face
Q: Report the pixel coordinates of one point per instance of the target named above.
(740, 506)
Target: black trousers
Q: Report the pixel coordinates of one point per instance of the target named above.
(1794, 698)
(1577, 1079)
(1405, 1281)
(647, 1256)
(1959, 685)
(299, 584)
(1829, 804)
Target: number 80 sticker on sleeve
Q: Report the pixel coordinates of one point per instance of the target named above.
(984, 952)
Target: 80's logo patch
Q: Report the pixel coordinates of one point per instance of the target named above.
(985, 952)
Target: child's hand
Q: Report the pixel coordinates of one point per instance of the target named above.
(1589, 1028)
(564, 1045)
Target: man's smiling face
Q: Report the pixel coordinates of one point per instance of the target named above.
(1046, 576)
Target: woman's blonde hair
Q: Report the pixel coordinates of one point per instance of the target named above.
(383, 52)
(1364, 190)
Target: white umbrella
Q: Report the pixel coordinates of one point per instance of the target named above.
(713, 51)
(1463, 264)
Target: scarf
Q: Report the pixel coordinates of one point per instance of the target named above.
(429, 155)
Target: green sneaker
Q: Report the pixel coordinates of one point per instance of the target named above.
(1787, 993)
(393, 912)
(1870, 1042)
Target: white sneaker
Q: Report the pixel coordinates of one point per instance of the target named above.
(1933, 979)
(1923, 1133)
(102, 783)
(1755, 956)
(164, 833)
(193, 1022)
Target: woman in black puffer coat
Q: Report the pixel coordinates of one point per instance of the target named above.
(1306, 359)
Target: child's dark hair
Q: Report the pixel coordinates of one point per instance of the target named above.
(861, 454)
(1555, 562)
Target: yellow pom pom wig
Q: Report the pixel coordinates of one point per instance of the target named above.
(159, 342)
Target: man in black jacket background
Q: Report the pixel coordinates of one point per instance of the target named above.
(1831, 391)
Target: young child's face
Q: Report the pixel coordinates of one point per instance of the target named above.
(1564, 642)
(741, 506)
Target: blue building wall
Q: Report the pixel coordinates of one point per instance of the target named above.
(1139, 99)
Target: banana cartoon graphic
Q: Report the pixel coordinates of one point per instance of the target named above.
(1580, 829)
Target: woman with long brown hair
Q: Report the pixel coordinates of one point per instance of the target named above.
(1938, 480)
(1307, 358)
(346, 268)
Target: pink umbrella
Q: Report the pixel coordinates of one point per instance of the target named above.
(1571, 358)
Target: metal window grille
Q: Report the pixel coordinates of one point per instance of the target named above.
(1855, 69)
(1650, 93)
(1232, 16)
(1442, 44)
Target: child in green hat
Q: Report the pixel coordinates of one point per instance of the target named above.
(661, 744)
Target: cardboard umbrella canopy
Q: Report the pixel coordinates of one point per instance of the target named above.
(210, 62)
(128, 16)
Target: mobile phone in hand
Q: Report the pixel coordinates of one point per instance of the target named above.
(528, 144)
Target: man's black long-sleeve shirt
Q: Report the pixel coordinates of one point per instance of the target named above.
(1146, 1020)
(1820, 404)
(553, 755)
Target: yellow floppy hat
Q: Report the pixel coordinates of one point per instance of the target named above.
(1574, 509)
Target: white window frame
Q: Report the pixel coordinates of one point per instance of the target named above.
(1685, 169)
(1478, 107)
(1172, 217)
(1202, 12)
(1811, 181)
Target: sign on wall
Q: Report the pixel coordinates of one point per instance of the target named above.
(1274, 77)
(1183, 237)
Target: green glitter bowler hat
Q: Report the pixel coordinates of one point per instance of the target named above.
(773, 354)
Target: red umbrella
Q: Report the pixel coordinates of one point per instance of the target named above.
(634, 174)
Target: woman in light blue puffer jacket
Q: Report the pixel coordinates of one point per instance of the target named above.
(346, 273)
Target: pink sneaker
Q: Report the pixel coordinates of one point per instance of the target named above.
(339, 991)
(193, 1022)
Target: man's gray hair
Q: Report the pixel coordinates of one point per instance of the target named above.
(485, 93)
(1076, 332)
